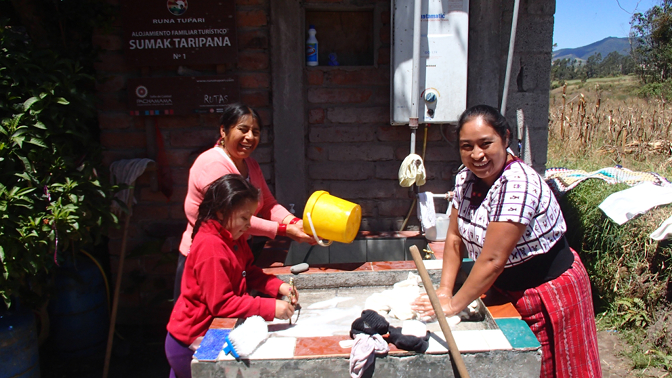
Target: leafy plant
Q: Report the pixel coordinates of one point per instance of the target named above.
(51, 198)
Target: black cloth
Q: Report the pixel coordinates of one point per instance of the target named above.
(370, 323)
(408, 342)
(539, 269)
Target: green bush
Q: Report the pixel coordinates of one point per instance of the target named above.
(51, 198)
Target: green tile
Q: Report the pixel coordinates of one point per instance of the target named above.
(518, 333)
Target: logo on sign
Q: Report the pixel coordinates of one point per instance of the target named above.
(177, 7)
(141, 91)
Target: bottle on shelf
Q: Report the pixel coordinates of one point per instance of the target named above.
(311, 47)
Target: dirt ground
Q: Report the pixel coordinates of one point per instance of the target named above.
(614, 363)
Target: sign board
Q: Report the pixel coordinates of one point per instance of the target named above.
(181, 95)
(179, 32)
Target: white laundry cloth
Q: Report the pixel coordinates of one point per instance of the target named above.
(396, 302)
(364, 351)
(626, 204)
(412, 171)
(126, 171)
(426, 211)
(664, 231)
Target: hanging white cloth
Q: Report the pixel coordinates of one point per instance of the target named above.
(426, 211)
(626, 204)
(412, 171)
(126, 171)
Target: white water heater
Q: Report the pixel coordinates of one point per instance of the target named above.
(443, 61)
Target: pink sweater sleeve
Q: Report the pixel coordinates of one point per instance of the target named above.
(269, 212)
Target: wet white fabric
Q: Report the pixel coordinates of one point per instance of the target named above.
(627, 204)
(664, 231)
(364, 352)
(426, 211)
(412, 171)
(396, 302)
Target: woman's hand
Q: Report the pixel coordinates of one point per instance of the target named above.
(295, 232)
(424, 308)
(283, 309)
(286, 290)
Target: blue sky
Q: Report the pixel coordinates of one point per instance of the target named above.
(582, 22)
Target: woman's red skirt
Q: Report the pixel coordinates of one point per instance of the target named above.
(560, 313)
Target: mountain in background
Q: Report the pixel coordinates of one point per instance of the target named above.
(604, 47)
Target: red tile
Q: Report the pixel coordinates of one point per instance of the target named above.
(320, 346)
(227, 323)
(392, 265)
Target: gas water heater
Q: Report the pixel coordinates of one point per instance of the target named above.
(443, 61)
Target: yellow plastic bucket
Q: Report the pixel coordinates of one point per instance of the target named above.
(332, 218)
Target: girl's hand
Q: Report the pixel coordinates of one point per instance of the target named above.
(424, 308)
(295, 232)
(286, 290)
(283, 310)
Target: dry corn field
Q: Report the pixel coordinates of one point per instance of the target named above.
(599, 124)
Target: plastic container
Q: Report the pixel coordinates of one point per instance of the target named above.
(311, 47)
(334, 219)
(438, 232)
(19, 353)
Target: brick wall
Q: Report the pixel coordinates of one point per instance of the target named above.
(157, 223)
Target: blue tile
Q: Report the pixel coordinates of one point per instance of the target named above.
(211, 345)
(518, 333)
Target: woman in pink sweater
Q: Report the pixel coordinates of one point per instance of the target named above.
(219, 272)
(240, 129)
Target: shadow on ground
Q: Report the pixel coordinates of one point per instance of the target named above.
(137, 352)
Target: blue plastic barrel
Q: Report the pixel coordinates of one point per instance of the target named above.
(19, 351)
(78, 314)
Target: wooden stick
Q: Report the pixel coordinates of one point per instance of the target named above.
(441, 316)
(117, 286)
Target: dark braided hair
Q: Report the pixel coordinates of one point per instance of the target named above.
(491, 116)
(226, 194)
(232, 113)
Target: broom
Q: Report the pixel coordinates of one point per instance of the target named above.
(243, 340)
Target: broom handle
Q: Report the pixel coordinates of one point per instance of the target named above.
(117, 286)
(445, 328)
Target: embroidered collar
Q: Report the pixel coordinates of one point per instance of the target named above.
(479, 189)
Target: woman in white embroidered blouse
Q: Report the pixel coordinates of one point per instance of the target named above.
(508, 220)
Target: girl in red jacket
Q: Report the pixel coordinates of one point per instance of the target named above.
(218, 272)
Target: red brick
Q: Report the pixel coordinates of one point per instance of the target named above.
(385, 35)
(396, 133)
(252, 39)
(112, 102)
(358, 115)
(338, 95)
(384, 55)
(263, 154)
(111, 63)
(316, 116)
(183, 121)
(251, 19)
(317, 153)
(441, 154)
(340, 171)
(360, 152)
(254, 81)
(266, 116)
(364, 76)
(114, 121)
(252, 61)
(367, 207)
(111, 156)
(315, 77)
(385, 17)
(341, 134)
(395, 207)
(111, 83)
(323, 1)
(123, 139)
(250, 2)
(387, 170)
(150, 212)
(108, 41)
(178, 157)
(193, 138)
(367, 189)
(255, 99)
(177, 212)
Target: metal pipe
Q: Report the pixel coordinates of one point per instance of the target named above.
(415, 87)
(509, 59)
